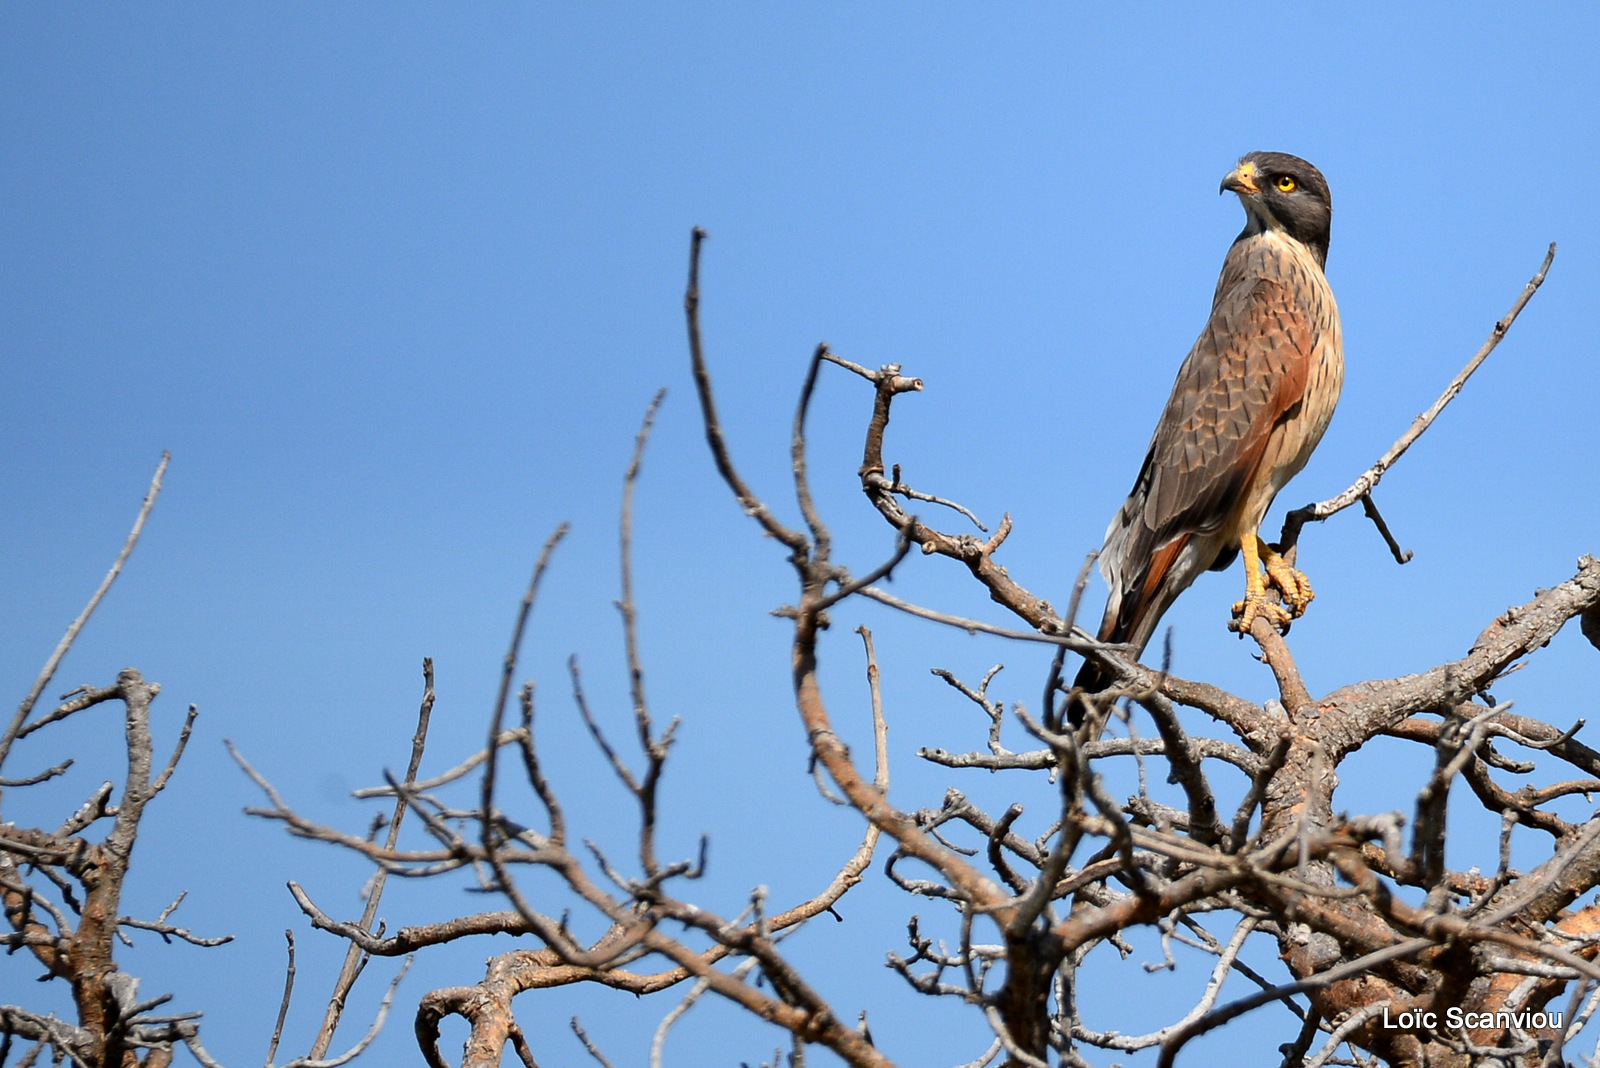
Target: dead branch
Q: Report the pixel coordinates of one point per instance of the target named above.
(14, 731)
(112, 1025)
(353, 961)
(1361, 489)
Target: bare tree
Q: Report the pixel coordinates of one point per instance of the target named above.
(62, 889)
(1388, 955)
(1476, 973)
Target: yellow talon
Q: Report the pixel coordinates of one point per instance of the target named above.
(1257, 603)
(1294, 586)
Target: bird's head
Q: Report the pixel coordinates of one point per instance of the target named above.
(1284, 192)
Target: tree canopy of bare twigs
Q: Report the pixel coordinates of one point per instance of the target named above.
(62, 888)
(1387, 955)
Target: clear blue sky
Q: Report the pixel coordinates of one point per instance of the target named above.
(395, 284)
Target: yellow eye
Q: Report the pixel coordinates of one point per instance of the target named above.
(1286, 184)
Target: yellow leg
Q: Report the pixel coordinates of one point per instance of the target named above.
(1256, 602)
(1292, 584)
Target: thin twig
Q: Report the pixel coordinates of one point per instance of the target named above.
(588, 1044)
(177, 751)
(1370, 478)
(897, 486)
(1370, 507)
(486, 794)
(76, 625)
(655, 749)
(1078, 641)
(283, 1006)
(353, 957)
(372, 1032)
(752, 505)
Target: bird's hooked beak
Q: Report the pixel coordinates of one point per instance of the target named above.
(1241, 180)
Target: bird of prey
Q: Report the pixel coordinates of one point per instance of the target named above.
(1251, 401)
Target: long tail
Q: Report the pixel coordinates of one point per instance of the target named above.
(1091, 679)
(1131, 617)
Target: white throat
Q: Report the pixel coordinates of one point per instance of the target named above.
(1257, 219)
